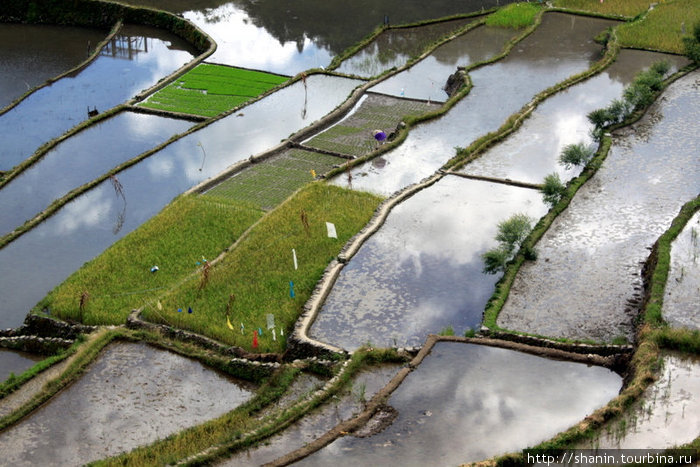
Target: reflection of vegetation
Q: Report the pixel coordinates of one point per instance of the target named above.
(511, 233)
(514, 16)
(211, 89)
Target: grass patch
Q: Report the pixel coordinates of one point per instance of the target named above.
(630, 8)
(662, 28)
(514, 16)
(268, 183)
(120, 279)
(259, 270)
(209, 90)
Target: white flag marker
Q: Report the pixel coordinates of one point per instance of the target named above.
(331, 230)
(294, 255)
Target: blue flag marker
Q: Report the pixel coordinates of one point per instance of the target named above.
(260, 332)
(189, 310)
(291, 289)
(179, 310)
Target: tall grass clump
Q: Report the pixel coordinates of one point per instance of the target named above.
(260, 273)
(514, 16)
(637, 96)
(511, 233)
(186, 232)
(552, 189)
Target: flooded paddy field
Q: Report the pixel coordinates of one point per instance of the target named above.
(302, 34)
(667, 415)
(15, 362)
(683, 285)
(135, 59)
(427, 78)
(395, 47)
(464, 394)
(131, 395)
(31, 54)
(535, 63)
(533, 151)
(353, 136)
(600, 241)
(80, 159)
(341, 407)
(86, 226)
(422, 271)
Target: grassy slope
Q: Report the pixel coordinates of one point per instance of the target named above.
(662, 28)
(259, 269)
(120, 280)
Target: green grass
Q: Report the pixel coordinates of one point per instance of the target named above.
(269, 183)
(630, 8)
(120, 280)
(209, 90)
(258, 271)
(661, 28)
(515, 16)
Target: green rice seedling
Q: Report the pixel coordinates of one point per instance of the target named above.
(514, 16)
(629, 8)
(663, 28)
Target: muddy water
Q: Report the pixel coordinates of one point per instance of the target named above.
(32, 54)
(667, 415)
(534, 64)
(490, 401)
(131, 395)
(427, 78)
(422, 271)
(395, 47)
(15, 362)
(600, 241)
(533, 151)
(313, 425)
(80, 159)
(683, 284)
(83, 228)
(119, 73)
(303, 34)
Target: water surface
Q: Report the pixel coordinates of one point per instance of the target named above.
(466, 403)
(532, 152)
(667, 415)
(314, 424)
(427, 78)
(601, 240)
(132, 395)
(682, 293)
(31, 54)
(80, 159)
(534, 64)
(134, 60)
(16, 362)
(422, 271)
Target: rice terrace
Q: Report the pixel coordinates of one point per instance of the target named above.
(391, 233)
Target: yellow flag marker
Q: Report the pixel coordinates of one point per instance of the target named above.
(313, 173)
(160, 307)
(228, 323)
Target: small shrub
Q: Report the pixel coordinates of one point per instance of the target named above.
(511, 233)
(552, 189)
(470, 332)
(691, 45)
(448, 331)
(576, 155)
